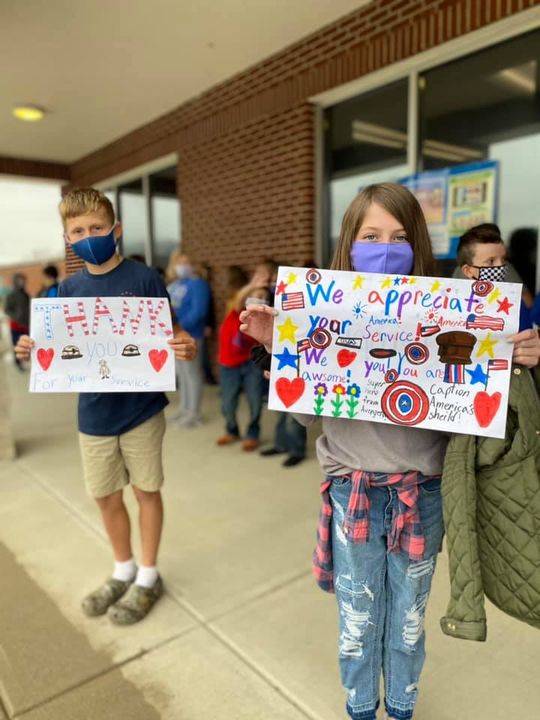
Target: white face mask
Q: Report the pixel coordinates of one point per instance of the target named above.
(183, 271)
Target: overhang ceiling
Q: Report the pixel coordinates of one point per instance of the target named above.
(102, 68)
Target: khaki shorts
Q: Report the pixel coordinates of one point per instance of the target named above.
(111, 462)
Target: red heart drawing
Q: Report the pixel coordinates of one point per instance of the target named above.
(158, 358)
(345, 357)
(486, 406)
(45, 357)
(289, 391)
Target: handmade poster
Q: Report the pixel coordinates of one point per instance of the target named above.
(111, 344)
(418, 352)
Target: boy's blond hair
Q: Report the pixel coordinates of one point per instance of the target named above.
(82, 201)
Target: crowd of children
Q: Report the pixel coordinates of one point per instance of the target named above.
(381, 483)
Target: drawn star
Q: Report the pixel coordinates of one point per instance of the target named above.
(494, 295)
(358, 281)
(404, 280)
(386, 283)
(504, 305)
(397, 281)
(287, 331)
(281, 288)
(291, 279)
(412, 281)
(286, 359)
(436, 285)
(478, 375)
(486, 346)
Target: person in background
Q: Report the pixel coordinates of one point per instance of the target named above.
(50, 282)
(18, 312)
(290, 437)
(190, 299)
(535, 311)
(482, 255)
(523, 254)
(512, 274)
(204, 271)
(237, 371)
(137, 257)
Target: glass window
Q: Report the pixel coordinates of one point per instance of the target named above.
(133, 215)
(165, 215)
(31, 226)
(365, 142)
(485, 107)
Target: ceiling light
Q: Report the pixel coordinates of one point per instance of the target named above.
(521, 77)
(28, 113)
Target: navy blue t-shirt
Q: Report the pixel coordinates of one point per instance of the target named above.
(116, 413)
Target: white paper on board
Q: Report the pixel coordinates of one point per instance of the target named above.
(112, 344)
(418, 352)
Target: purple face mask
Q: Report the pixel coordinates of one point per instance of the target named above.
(395, 258)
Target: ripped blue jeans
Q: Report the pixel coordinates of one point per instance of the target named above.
(382, 600)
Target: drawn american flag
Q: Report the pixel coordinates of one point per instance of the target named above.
(484, 322)
(454, 374)
(497, 364)
(303, 345)
(292, 301)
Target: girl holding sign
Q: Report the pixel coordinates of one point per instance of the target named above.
(381, 524)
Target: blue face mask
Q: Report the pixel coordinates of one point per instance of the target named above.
(96, 249)
(394, 258)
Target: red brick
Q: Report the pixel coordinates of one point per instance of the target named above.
(245, 147)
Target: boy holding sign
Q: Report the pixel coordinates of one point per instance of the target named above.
(120, 434)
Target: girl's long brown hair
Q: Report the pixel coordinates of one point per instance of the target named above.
(400, 203)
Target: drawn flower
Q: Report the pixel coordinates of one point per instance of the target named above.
(338, 390)
(353, 390)
(321, 389)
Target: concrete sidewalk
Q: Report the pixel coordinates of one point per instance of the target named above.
(242, 633)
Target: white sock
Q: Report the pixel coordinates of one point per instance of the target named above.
(125, 571)
(146, 576)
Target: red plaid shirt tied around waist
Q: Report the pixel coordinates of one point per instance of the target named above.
(406, 533)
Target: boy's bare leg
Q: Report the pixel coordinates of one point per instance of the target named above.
(150, 523)
(117, 524)
(148, 586)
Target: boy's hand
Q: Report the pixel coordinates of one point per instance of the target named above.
(23, 348)
(526, 348)
(258, 322)
(183, 345)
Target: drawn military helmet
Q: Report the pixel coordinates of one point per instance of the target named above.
(71, 352)
(131, 351)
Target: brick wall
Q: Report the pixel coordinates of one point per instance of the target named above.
(246, 147)
(33, 168)
(249, 194)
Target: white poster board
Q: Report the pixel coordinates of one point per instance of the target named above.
(112, 344)
(423, 352)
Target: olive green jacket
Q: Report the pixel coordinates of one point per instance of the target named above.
(491, 496)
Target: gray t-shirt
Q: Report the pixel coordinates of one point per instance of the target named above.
(349, 445)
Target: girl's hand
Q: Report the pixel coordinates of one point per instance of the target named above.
(526, 348)
(23, 348)
(183, 345)
(258, 322)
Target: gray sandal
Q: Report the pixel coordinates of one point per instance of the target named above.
(135, 605)
(98, 602)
